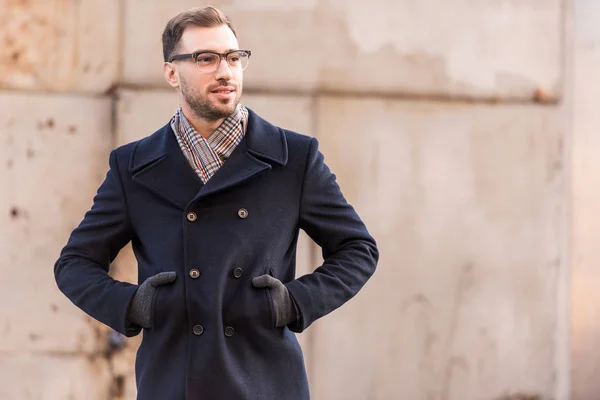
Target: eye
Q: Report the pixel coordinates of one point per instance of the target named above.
(238, 59)
(206, 59)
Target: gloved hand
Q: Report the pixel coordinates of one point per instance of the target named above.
(140, 309)
(283, 304)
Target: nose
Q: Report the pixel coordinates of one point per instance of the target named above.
(224, 71)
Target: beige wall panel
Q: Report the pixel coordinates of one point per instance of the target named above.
(140, 113)
(54, 377)
(54, 155)
(585, 286)
(465, 202)
(59, 45)
(387, 46)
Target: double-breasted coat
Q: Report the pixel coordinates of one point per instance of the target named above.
(213, 334)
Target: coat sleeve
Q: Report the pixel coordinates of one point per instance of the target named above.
(350, 253)
(81, 272)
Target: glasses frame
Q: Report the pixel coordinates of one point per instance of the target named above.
(222, 56)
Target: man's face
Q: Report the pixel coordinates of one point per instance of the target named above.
(215, 95)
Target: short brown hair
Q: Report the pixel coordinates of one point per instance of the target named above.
(207, 17)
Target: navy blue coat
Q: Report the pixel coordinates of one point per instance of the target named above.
(213, 335)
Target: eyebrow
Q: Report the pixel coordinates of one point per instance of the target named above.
(212, 51)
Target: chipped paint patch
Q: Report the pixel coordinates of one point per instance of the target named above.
(57, 45)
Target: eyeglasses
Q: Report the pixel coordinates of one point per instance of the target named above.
(209, 61)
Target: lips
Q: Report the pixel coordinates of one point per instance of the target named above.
(223, 90)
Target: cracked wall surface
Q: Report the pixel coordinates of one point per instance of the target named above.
(456, 129)
(461, 48)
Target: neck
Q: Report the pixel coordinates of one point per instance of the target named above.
(204, 127)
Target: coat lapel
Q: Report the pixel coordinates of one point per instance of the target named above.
(263, 145)
(158, 163)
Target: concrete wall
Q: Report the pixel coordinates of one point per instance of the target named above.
(386, 46)
(585, 186)
(446, 125)
(465, 201)
(54, 151)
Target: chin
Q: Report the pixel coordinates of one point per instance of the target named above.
(227, 105)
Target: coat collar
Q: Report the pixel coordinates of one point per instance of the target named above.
(158, 163)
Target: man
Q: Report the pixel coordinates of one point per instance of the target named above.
(212, 203)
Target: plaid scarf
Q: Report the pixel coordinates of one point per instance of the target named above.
(206, 156)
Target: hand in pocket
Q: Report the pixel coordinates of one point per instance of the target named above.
(282, 304)
(140, 310)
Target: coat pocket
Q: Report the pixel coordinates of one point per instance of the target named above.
(271, 311)
(153, 309)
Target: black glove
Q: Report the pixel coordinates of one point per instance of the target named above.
(140, 309)
(283, 304)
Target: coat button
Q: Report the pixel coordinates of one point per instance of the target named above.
(198, 330)
(191, 216)
(194, 273)
(237, 272)
(243, 213)
(229, 331)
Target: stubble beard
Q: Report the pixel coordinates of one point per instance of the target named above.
(204, 108)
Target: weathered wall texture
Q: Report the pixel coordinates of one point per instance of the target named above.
(59, 45)
(468, 206)
(585, 187)
(443, 123)
(53, 150)
(497, 49)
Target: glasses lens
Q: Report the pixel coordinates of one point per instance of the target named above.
(238, 59)
(207, 62)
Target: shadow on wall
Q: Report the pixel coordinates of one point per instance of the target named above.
(521, 396)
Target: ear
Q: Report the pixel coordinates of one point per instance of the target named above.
(170, 73)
